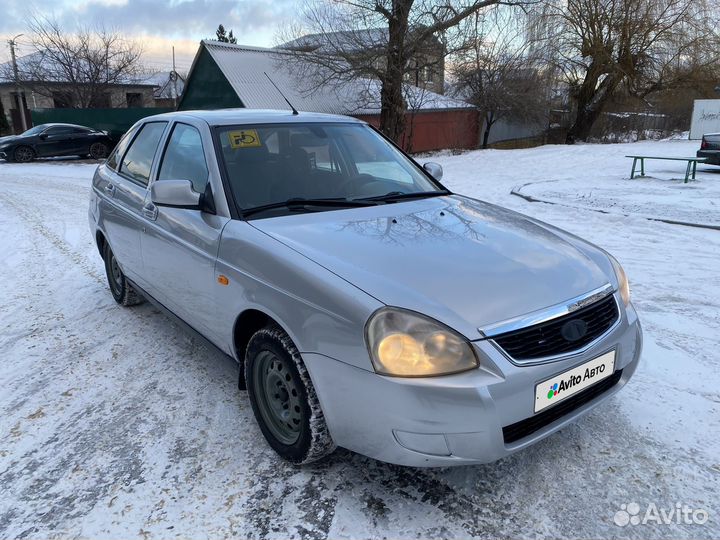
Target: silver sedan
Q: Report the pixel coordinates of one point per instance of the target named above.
(367, 305)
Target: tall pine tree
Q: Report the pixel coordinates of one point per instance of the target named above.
(224, 37)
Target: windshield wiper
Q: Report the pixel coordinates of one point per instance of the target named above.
(300, 204)
(401, 195)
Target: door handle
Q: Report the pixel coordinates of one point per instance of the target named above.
(110, 189)
(150, 211)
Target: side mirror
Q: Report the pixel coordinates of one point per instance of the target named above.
(434, 170)
(43, 136)
(175, 193)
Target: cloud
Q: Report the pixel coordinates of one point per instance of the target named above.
(254, 22)
(159, 24)
(190, 18)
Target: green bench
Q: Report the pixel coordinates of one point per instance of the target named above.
(689, 171)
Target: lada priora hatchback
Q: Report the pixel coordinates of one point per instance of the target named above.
(368, 306)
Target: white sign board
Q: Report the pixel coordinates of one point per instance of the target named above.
(705, 118)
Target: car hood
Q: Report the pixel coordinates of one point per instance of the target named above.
(461, 261)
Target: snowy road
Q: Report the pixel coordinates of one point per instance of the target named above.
(114, 423)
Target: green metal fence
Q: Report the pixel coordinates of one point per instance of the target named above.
(114, 121)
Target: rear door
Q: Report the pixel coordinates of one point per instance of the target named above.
(180, 245)
(55, 141)
(122, 184)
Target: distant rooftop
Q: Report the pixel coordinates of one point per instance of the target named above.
(244, 68)
(26, 66)
(166, 82)
(348, 40)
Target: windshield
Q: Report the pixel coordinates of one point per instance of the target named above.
(35, 130)
(268, 165)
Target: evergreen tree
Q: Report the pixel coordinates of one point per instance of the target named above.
(221, 35)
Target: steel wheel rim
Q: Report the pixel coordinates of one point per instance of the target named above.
(23, 154)
(116, 276)
(278, 397)
(96, 151)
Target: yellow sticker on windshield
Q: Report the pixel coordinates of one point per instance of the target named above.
(247, 138)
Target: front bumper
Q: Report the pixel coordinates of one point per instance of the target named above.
(712, 156)
(455, 419)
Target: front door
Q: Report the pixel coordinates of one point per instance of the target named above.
(180, 245)
(55, 141)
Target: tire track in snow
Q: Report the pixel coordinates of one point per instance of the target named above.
(60, 245)
(418, 487)
(517, 191)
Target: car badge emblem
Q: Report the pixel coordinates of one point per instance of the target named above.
(574, 329)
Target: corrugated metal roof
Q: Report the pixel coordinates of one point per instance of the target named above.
(245, 68)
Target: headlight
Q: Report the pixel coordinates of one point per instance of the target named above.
(624, 285)
(407, 344)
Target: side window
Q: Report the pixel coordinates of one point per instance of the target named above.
(184, 158)
(138, 159)
(58, 130)
(114, 159)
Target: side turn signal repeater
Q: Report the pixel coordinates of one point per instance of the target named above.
(223, 280)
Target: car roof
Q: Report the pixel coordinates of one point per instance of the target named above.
(61, 124)
(229, 117)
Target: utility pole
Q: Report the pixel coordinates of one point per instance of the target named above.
(173, 76)
(18, 95)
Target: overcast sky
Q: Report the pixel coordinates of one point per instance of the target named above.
(160, 24)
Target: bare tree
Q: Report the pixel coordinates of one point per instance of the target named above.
(501, 71)
(640, 46)
(386, 40)
(78, 68)
(415, 99)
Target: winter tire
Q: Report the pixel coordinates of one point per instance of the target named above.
(23, 154)
(122, 291)
(283, 398)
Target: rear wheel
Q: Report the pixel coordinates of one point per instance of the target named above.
(122, 291)
(98, 150)
(23, 154)
(283, 398)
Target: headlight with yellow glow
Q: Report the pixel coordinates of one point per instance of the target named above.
(623, 283)
(407, 344)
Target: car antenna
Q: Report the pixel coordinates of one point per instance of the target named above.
(294, 110)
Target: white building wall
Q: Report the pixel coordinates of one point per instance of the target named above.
(705, 118)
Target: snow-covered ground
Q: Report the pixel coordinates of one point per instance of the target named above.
(115, 424)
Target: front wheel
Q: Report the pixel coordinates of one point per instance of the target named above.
(283, 398)
(120, 287)
(23, 154)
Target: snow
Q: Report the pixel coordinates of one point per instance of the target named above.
(117, 424)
